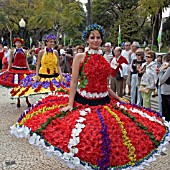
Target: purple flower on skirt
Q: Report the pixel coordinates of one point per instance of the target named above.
(46, 84)
(36, 84)
(55, 83)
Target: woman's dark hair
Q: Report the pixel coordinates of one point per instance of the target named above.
(32, 51)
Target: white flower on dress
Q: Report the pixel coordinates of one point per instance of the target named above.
(74, 141)
(76, 132)
(67, 156)
(80, 126)
(57, 153)
(76, 160)
(49, 150)
(33, 138)
(20, 132)
(81, 119)
(83, 113)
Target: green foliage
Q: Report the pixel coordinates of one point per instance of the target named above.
(150, 7)
(41, 16)
(111, 14)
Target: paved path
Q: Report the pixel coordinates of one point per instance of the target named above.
(18, 154)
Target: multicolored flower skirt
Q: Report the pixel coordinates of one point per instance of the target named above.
(112, 136)
(13, 77)
(29, 86)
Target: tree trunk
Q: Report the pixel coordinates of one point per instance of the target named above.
(157, 27)
(10, 31)
(153, 30)
(89, 20)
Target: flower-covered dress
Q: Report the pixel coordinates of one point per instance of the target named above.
(18, 70)
(100, 132)
(49, 80)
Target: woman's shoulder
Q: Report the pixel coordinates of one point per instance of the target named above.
(42, 52)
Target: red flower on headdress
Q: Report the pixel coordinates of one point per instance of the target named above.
(18, 39)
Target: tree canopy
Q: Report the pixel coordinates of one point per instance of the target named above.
(138, 19)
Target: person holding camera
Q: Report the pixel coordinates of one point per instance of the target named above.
(67, 58)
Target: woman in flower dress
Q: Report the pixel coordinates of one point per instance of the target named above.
(92, 128)
(17, 68)
(48, 77)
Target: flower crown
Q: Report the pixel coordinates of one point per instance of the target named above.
(92, 27)
(49, 37)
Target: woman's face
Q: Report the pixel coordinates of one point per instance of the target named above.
(18, 44)
(159, 59)
(148, 58)
(94, 40)
(80, 50)
(50, 43)
(138, 56)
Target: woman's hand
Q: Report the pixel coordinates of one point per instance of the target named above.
(164, 66)
(62, 79)
(67, 108)
(123, 100)
(36, 78)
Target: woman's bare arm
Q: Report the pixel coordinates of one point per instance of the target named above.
(40, 54)
(10, 60)
(113, 94)
(74, 81)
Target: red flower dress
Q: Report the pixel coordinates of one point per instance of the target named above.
(100, 132)
(17, 72)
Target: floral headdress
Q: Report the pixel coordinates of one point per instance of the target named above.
(92, 27)
(18, 39)
(49, 37)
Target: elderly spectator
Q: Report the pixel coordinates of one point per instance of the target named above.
(127, 51)
(6, 57)
(164, 81)
(149, 78)
(146, 50)
(135, 80)
(116, 77)
(127, 54)
(1, 55)
(135, 45)
(108, 53)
